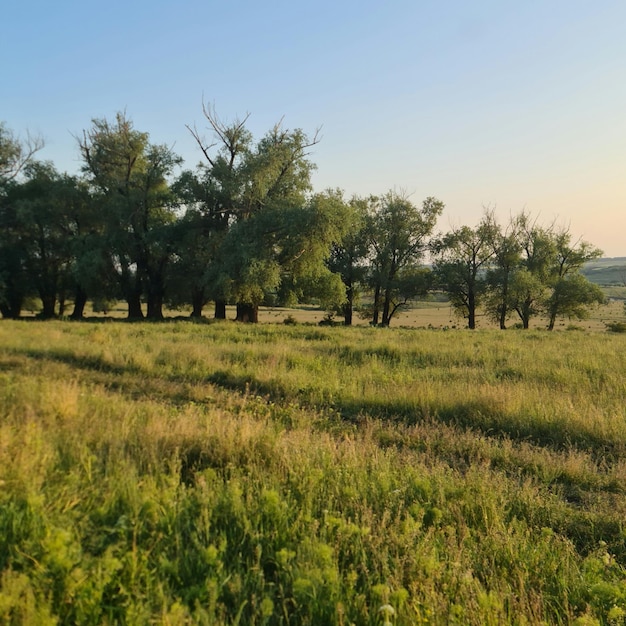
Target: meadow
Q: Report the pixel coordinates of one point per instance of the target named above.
(216, 473)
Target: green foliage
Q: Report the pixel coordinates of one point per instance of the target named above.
(246, 228)
(462, 256)
(130, 178)
(398, 234)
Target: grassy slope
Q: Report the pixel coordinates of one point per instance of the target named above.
(609, 271)
(182, 473)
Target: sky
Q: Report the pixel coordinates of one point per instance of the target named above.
(489, 104)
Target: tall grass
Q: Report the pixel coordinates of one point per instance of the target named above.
(222, 474)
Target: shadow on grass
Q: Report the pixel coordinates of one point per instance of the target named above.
(582, 526)
(478, 415)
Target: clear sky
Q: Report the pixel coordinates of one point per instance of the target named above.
(486, 103)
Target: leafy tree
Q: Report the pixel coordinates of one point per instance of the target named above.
(14, 282)
(572, 293)
(571, 297)
(547, 278)
(531, 282)
(270, 236)
(213, 196)
(131, 177)
(349, 257)
(90, 267)
(44, 225)
(462, 258)
(505, 261)
(398, 233)
(526, 293)
(282, 250)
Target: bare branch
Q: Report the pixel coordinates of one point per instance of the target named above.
(15, 153)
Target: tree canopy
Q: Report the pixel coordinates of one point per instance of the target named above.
(245, 227)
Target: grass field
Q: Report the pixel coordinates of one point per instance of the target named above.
(218, 473)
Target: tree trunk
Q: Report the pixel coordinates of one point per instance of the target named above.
(197, 304)
(526, 314)
(471, 310)
(133, 298)
(155, 306)
(247, 313)
(502, 317)
(156, 290)
(8, 312)
(347, 314)
(49, 303)
(80, 301)
(220, 310)
(131, 288)
(386, 308)
(503, 305)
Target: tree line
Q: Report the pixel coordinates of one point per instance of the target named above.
(246, 228)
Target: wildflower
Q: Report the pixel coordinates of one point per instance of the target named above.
(388, 612)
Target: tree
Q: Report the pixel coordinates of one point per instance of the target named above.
(130, 176)
(270, 235)
(213, 196)
(463, 256)
(14, 285)
(505, 261)
(572, 293)
(531, 281)
(398, 233)
(571, 297)
(44, 226)
(282, 251)
(547, 278)
(348, 257)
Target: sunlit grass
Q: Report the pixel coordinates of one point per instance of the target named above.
(192, 473)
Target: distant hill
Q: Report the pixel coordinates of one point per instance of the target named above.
(610, 272)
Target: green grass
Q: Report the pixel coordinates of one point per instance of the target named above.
(185, 473)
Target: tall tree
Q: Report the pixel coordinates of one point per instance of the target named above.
(15, 154)
(399, 236)
(462, 258)
(572, 294)
(282, 250)
(15, 280)
(45, 226)
(504, 263)
(131, 176)
(268, 229)
(531, 282)
(213, 196)
(349, 257)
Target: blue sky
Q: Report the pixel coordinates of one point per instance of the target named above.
(503, 104)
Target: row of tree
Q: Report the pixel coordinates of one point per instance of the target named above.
(246, 228)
